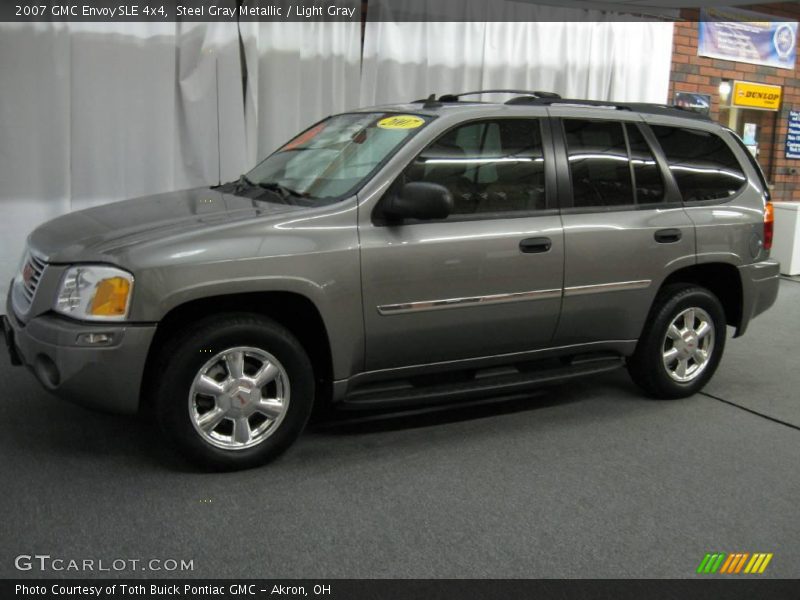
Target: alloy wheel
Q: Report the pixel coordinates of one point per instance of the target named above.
(688, 344)
(239, 398)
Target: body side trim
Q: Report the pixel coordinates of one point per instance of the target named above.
(617, 286)
(578, 290)
(427, 305)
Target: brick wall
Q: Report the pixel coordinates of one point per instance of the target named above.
(698, 74)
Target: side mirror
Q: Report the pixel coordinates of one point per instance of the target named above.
(419, 200)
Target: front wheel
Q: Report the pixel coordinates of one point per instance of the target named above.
(682, 343)
(235, 392)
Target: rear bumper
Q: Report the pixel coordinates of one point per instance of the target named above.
(760, 282)
(106, 377)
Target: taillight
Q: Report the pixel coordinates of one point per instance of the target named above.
(769, 225)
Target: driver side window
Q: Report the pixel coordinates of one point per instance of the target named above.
(493, 166)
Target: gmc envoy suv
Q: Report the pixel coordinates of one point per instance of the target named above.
(405, 255)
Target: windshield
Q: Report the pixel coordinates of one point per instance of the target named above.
(334, 157)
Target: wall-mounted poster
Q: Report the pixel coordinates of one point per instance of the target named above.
(747, 36)
(697, 102)
(793, 136)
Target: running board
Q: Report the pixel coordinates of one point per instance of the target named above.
(392, 395)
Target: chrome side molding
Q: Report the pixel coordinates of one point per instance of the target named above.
(598, 288)
(577, 290)
(426, 305)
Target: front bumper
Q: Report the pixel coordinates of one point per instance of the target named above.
(760, 282)
(106, 377)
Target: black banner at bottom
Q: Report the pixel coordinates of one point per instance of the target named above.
(402, 589)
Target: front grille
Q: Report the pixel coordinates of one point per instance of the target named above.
(31, 276)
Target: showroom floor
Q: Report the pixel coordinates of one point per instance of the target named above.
(586, 479)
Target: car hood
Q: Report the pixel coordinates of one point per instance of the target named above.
(114, 227)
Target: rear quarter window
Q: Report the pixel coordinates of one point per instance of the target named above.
(703, 165)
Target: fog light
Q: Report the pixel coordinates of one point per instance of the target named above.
(95, 339)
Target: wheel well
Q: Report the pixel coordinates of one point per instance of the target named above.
(294, 311)
(720, 278)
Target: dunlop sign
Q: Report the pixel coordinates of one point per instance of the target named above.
(756, 95)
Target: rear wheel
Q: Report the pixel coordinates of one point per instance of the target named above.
(682, 343)
(235, 392)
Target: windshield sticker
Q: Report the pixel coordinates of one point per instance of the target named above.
(401, 122)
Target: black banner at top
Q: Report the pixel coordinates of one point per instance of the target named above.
(32, 11)
(179, 10)
(401, 589)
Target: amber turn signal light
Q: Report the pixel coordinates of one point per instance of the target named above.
(111, 297)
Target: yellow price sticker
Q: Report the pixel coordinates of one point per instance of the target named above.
(401, 122)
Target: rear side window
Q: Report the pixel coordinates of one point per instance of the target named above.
(703, 165)
(611, 164)
(598, 162)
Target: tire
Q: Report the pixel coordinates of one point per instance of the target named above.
(233, 392)
(668, 362)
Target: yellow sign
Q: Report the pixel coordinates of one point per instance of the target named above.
(401, 122)
(756, 95)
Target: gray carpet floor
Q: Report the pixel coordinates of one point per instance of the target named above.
(587, 479)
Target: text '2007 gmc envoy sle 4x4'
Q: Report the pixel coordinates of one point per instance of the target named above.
(402, 255)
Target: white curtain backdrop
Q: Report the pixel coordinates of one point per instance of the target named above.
(102, 111)
(543, 48)
(96, 112)
(297, 74)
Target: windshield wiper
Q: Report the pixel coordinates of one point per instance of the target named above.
(274, 186)
(237, 186)
(281, 191)
(243, 182)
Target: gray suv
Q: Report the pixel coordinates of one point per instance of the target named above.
(405, 255)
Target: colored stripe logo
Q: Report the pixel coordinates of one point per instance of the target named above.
(734, 563)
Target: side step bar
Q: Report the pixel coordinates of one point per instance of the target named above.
(479, 387)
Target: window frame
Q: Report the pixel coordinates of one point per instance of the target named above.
(718, 134)
(550, 173)
(672, 196)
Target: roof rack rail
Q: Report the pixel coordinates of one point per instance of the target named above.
(568, 101)
(532, 94)
(642, 107)
(534, 98)
(455, 97)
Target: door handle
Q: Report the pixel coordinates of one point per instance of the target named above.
(668, 236)
(535, 245)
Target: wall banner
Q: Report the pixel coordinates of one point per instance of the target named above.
(793, 136)
(747, 36)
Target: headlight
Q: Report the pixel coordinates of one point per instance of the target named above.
(95, 293)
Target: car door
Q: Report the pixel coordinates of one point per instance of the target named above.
(625, 228)
(486, 280)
